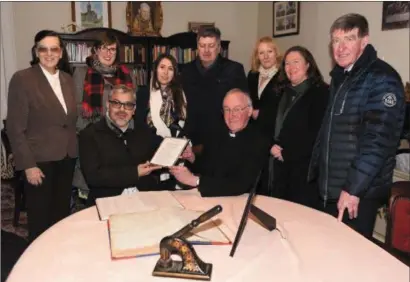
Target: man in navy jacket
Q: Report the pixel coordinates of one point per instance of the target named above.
(356, 147)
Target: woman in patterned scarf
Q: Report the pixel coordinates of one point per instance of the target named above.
(163, 106)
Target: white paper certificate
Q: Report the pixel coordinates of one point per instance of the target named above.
(169, 151)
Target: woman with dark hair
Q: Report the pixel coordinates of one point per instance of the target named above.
(95, 82)
(163, 106)
(41, 127)
(304, 97)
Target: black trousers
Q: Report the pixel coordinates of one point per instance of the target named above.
(364, 223)
(290, 182)
(49, 202)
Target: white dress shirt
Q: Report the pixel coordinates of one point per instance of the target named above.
(54, 80)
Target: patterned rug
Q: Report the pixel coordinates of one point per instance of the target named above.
(7, 211)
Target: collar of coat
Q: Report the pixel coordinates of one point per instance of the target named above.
(368, 56)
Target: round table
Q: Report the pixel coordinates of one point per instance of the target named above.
(316, 248)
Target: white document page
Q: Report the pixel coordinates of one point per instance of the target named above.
(169, 151)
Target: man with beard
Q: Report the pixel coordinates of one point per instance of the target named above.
(114, 152)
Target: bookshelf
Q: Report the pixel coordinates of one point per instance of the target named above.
(138, 53)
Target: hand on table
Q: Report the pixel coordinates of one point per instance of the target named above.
(146, 168)
(350, 202)
(34, 176)
(276, 152)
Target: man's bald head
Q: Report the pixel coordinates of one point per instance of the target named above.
(237, 109)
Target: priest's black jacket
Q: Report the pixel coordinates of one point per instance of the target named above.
(231, 164)
(109, 160)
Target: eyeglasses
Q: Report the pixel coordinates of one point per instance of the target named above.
(52, 50)
(106, 50)
(117, 105)
(235, 110)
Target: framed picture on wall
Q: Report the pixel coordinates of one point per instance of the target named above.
(286, 17)
(91, 14)
(396, 15)
(144, 18)
(195, 26)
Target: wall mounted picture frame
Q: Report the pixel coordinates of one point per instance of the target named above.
(396, 15)
(195, 26)
(144, 18)
(91, 14)
(286, 18)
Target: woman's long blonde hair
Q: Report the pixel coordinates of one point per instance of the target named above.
(255, 63)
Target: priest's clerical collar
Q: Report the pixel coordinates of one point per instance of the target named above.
(232, 134)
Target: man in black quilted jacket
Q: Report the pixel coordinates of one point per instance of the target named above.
(355, 151)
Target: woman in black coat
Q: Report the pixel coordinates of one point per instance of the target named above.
(304, 97)
(263, 76)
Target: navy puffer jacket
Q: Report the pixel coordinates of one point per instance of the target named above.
(356, 147)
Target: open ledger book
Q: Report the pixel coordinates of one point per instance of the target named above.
(139, 234)
(136, 202)
(139, 221)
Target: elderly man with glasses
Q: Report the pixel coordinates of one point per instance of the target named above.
(233, 159)
(114, 152)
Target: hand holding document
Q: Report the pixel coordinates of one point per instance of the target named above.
(169, 151)
(146, 168)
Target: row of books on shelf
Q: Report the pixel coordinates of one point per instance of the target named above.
(141, 76)
(78, 52)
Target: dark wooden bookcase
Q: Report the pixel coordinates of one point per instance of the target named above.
(139, 53)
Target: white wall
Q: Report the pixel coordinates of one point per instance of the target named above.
(237, 21)
(241, 23)
(8, 63)
(317, 17)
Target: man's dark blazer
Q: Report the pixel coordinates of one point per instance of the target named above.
(37, 125)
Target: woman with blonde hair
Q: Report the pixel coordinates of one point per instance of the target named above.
(263, 75)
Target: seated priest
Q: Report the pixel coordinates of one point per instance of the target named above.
(232, 159)
(114, 152)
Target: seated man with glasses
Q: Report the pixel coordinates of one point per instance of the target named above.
(114, 152)
(231, 159)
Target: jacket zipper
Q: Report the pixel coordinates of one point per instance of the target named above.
(328, 144)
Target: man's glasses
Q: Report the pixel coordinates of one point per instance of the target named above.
(117, 105)
(45, 50)
(106, 50)
(235, 110)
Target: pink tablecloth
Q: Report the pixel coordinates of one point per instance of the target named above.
(316, 248)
